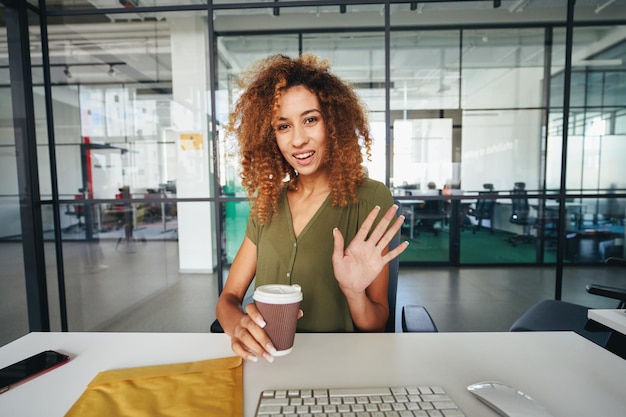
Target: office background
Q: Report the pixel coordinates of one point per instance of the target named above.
(120, 201)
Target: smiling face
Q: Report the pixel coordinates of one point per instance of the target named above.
(300, 131)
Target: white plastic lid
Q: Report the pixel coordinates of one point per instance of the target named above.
(278, 294)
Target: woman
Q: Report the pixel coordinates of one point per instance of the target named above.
(299, 130)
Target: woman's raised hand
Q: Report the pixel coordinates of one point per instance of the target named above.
(359, 264)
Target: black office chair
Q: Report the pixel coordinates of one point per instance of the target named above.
(484, 208)
(520, 214)
(429, 215)
(394, 267)
(76, 210)
(416, 319)
(558, 315)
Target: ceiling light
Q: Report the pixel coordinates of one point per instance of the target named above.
(111, 71)
(518, 6)
(413, 5)
(67, 72)
(602, 6)
(129, 4)
(342, 8)
(496, 4)
(597, 62)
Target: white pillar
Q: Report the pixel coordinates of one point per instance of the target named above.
(190, 81)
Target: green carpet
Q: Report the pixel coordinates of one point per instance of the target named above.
(475, 248)
(481, 247)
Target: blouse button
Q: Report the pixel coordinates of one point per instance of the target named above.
(295, 244)
(288, 274)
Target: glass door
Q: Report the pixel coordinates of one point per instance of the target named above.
(425, 177)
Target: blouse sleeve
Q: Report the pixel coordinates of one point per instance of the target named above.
(252, 230)
(376, 194)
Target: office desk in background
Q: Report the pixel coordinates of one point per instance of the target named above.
(566, 373)
(574, 212)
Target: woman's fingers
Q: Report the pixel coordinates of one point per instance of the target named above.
(254, 314)
(249, 340)
(382, 233)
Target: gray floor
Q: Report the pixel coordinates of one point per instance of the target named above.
(141, 290)
(466, 300)
(490, 300)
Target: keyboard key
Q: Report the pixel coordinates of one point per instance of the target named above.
(435, 397)
(320, 393)
(455, 412)
(355, 392)
(444, 405)
(385, 407)
(268, 409)
(275, 401)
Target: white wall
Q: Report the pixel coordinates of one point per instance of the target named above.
(190, 83)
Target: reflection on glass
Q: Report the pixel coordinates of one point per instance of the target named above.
(425, 70)
(501, 147)
(499, 60)
(422, 153)
(422, 165)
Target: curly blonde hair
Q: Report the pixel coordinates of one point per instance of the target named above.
(265, 173)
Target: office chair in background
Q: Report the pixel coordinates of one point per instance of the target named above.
(520, 214)
(558, 315)
(429, 215)
(484, 208)
(76, 210)
(394, 267)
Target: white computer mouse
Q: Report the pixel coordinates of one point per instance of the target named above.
(506, 400)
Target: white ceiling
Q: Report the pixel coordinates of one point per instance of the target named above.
(138, 45)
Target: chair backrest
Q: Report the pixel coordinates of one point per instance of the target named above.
(433, 207)
(520, 207)
(392, 289)
(484, 207)
(79, 209)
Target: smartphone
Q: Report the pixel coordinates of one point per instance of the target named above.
(29, 368)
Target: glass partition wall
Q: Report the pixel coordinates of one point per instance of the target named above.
(14, 319)
(475, 109)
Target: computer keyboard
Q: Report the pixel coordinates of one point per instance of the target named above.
(405, 401)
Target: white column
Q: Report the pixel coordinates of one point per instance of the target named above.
(190, 80)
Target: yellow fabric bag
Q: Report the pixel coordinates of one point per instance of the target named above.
(212, 388)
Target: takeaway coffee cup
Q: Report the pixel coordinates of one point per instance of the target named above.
(279, 305)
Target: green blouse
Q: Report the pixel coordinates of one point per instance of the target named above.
(306, 261)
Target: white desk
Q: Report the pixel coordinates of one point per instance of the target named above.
(568, 374)
(575, 210)
(613, 319)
